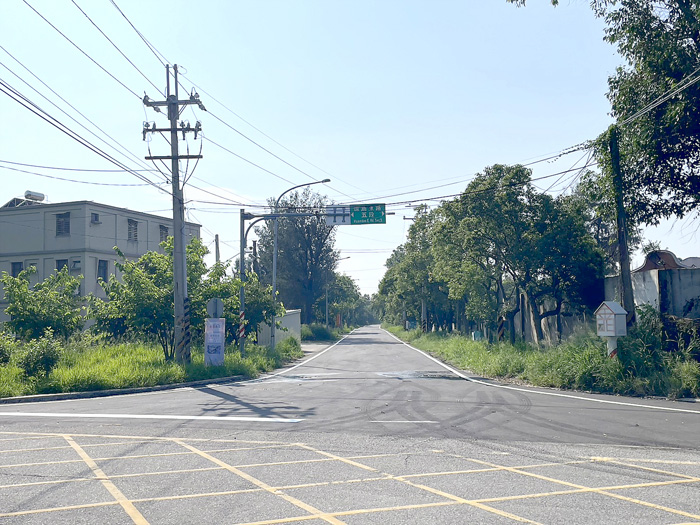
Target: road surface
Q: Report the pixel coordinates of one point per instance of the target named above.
(369, 430)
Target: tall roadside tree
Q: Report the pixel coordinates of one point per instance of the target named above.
(656, 101)
(500, 240)
(306, 257)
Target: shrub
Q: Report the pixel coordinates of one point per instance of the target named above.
(316, 332)
(8, 346)
(53, 303)
(41, 355)
(288, 350)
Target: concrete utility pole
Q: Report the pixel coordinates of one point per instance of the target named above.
(625, 272)
(241, 329)
(217, 252)
(182, 318)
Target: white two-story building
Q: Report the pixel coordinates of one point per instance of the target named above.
(80, 235)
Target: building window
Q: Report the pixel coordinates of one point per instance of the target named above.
(163, 233)
(62, 224)
(95, 218)
(133, 233)
(60, 264)
(102, 269)
(16, 268)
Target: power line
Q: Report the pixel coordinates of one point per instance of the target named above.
(268, 151)
(65, 169)
(69, 180)
(115, 45)
(128, 153)
(272, 139)
(482, 190)
(83, 52)
(248, 161)
(150, 46)
(28, 104)
(686, 83)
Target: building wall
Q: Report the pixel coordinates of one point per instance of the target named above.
(291, 322)
(28, 235)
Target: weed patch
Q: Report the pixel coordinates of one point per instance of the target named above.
(580, 363)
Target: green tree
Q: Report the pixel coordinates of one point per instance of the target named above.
(51, 304)
(344, 298)
(306, 258)
(501, 238)
(141, 301)
(660, 148)
(410, 281)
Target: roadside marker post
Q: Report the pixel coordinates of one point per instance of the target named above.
(611, 323)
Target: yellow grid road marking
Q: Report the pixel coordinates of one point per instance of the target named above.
(424, 487)
(490, 469)
(52, 482)
(294, 501)
(200, 495)
(658, 471)
(146, 438)
(41, 463)
(59, 509)
(352, 513)
(646, 460)
(127, 505)
(10, 451)
(332, 516)
(162, 472)
(602, 492)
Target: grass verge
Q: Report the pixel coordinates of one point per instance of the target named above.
(580, 363)
(86, 365)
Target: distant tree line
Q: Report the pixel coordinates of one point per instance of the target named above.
(471, 260)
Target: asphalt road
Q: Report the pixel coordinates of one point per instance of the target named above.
(366, 431)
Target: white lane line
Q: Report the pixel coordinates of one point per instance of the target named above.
(541, 392)
(270, 376)
(405, 421)
(67, 415)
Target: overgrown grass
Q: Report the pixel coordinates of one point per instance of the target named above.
(318, 332)
(580, 363)
(89, 363)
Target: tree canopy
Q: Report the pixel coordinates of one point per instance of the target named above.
(472, 258)
(306, 257)
(53, 304)
(656, 101)
(141, 301)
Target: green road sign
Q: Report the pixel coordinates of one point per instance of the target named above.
(368, 214)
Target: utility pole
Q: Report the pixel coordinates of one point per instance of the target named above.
(172, 102)
(241, 260)
(216, 248)
(256, 265)
(625, 272)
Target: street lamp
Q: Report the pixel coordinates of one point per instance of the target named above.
(274, 255)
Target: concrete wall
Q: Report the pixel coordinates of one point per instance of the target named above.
(672, 292)
(679, 292)
(291, 321)
(525, 329)
(645, 287)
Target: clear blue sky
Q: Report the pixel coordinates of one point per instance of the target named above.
(384, 97)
